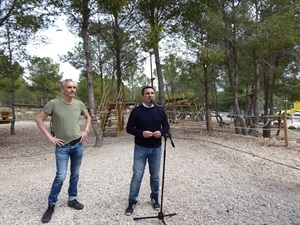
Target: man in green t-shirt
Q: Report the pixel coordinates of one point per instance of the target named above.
(68, 140)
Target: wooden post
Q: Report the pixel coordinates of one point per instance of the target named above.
(285, 130)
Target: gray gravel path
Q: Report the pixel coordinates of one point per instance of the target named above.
(211, 179)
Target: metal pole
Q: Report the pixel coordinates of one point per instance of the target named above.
(286, 138)
(285, 106)
(151, 69)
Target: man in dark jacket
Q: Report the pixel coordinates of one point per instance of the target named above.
(148, 123)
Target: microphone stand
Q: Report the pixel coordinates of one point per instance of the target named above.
(161, 215)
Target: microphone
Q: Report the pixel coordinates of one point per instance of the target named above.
(153, 102)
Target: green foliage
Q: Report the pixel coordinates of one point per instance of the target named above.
(75, 57)
(135, 79)
(158, 19)
(20, 20)
(116, 31)
(44, 77)
(82, 88)
(220, 37)
(174, 76)
(113, 6)
(25, 94)
(7, 73)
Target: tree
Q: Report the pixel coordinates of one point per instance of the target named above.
(116, 28)
(203, 30)
(45, 78)
(136, 79)
(5, 78)
(79, 16)
(170, 68)
(20, 20)
(82, 91)
(102, 60)
(156, 17)
(117, 32)
(280, 37)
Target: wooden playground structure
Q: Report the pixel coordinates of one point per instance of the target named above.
(182, 109)
(5, 117)
(112, 111)
(111, 114)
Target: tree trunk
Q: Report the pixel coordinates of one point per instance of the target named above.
(13, 109)
(12, 125)
(266, 131)
(92, 107)
(271, 95)
(216, 101)
(255, 99)
(159, 76)
(232, 69)
(117, 49)
(207, 106)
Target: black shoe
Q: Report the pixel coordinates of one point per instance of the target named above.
(47, 215)
(130, 207)
(75, 204)
(155, 203)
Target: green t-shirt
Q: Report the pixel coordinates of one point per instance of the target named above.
(65, 118)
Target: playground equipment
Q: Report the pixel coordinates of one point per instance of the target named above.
(112, 114)
(5, 117)
(181, 109)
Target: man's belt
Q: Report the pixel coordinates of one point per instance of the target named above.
(73, 142)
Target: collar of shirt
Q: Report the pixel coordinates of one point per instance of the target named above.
(148, 106)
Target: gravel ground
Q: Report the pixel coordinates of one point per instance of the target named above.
(211, 179)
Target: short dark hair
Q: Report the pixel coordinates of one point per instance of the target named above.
(146, 88)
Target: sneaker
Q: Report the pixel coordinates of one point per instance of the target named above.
(48, 214)
(155, 203)
(130, 207)
(75, 204)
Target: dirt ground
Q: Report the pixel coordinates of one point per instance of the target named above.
(216, 178)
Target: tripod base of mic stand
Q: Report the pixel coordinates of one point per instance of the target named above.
(160, 216)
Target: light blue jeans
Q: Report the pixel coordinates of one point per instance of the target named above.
(141, 155)
(62, 155)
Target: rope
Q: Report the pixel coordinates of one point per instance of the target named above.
(251, 124)
(260, 127)
(293, 132)
(244, 152)
(257, 126)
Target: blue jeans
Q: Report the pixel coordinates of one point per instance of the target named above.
(141, 154)
(62, 155)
